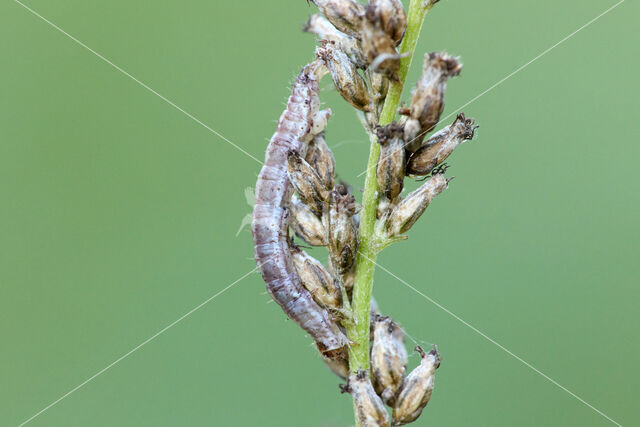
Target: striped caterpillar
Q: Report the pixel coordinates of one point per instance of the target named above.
(298, 124)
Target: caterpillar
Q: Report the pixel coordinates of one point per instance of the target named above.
(298, 124)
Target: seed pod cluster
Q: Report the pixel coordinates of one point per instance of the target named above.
(297, 192)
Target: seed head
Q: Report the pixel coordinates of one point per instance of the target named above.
(392, 18)
(306, 224)
(379, 48)
(388, 358)
(319, 25)
(345, 77)
(369, 407)
(320, 157)
(307, 183)
(411, 207)
(391, 163)
(416, 388)
(427, 100)
(345, 15)
(343, 240)
(440, 145)
(317, 280)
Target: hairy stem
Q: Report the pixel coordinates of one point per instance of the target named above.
(358, 330)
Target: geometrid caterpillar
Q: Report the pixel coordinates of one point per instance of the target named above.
(366, 50)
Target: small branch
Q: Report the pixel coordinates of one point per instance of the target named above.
(358, 330)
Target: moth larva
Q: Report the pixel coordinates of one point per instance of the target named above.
(298, 124)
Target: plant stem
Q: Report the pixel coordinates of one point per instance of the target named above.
(368, 248)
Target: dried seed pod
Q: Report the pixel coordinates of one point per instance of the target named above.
(392, 18)
(320, 157)
(427, 100)
(306, 224)
(345, 77)
(345, 15)
(379, 49)
(342, 231)
(388, 358)
(416, 388)
(338, 365)
(440, 146)
(307, 183)
(411, 207)
(320, 26)
(369, 407)
(317, 280)
(379, 86)
(390, 170)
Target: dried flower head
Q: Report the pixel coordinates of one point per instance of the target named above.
(388, 358)
(369, 407)
(345, 15)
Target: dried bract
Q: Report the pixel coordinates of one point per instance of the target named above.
(320, 157)
(388, 358)
(416, 388)
(345, 15)
(427, 100)
(319, 25)
(440, 146)
(390, 170)
(378, 47)
(411, 207)
(307, 183)
(346, 79)
(369, 407)
(317, 280)
(306, 224)
(343, 240)
(392, 18)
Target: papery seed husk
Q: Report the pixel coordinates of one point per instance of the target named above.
(321, 159)
(307, 183)
(342, 231)
(417, 388)
(379, 86)
(306, 224)
(407, 212)
(390, 170)
(317, 280)
(392, 18)
(440, 145)
(427, 100)
(388, 358)
(379, 49)
(345, 15)
(369, 407)
(319, 25)
(348, 82)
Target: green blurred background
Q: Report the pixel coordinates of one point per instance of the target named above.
(119, 214)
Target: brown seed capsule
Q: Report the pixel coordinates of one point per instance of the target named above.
(342, 231)
(320, 26)
(411, 207)
(320, 157)
(392, 18)
(416, 388)
(388, 358)
(307, 183)
(378, 47)
(345, 77)
(345, 15)
(391, 162)
(317, 280)
(306, 224)
(427, 100)
(379, 86)
(369, 407)
(437, 148)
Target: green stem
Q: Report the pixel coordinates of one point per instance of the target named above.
(358, 330)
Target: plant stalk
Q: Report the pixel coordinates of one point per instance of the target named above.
(368, 246)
